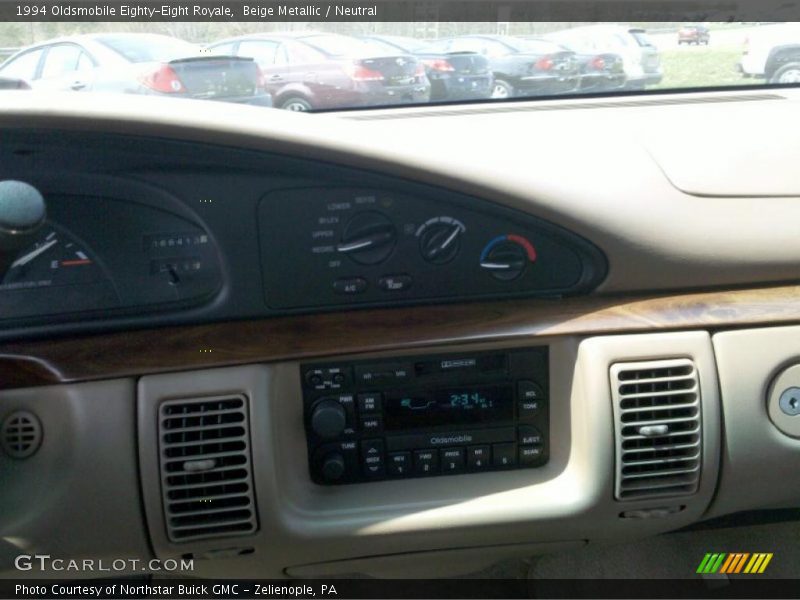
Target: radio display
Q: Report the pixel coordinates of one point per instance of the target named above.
(453, 406)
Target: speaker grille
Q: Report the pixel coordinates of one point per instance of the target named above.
(21, 434)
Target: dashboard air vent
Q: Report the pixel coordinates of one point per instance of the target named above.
(206, 475)
(658, 428)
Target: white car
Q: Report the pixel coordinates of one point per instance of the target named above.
(640, 58)
(772, 52)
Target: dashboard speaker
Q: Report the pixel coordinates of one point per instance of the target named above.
(658, 428)
(20, 434)
(206, 470)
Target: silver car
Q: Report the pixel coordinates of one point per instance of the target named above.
(640, 58)
(136, 63)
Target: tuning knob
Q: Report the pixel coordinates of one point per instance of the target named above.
(332, 467)
(369, 238)
(328, 419)
(22, 215)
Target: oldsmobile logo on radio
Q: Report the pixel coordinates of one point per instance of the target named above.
(452, 439)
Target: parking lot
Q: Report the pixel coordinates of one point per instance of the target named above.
(309, 70)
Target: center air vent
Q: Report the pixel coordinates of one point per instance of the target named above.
(658, 428)
(206, 475)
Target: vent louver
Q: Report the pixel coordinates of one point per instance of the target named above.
(658, 428)
(206, 475)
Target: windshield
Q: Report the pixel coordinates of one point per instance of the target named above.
(321, 65)
(338, 45)
(148, 48)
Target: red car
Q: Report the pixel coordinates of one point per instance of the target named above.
(694, 34)
(310, 71)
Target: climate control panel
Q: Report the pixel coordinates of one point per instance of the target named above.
(424, 416)
(327, 247)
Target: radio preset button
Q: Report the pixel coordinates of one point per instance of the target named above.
(399, 464)
(372, 458)
(528, 435)
(530, 455)
(505, 455)
(369, 403)
(478, 457)
(371, 423)
(452, 460)
(426, 462)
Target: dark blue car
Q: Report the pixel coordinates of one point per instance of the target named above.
(453, 75)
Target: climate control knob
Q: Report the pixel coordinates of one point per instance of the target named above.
(328, 419)
(369, 238)
(440, 242)
(332, 467)
(506, 257)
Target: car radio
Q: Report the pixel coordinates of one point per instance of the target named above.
(424, 416)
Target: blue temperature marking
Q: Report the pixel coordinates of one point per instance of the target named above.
(497, 240)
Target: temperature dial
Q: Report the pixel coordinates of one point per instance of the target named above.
(507, 256)
(369, 238)
(440, 239)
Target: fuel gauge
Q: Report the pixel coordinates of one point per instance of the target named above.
(55, 259)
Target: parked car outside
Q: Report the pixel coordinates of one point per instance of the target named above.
(598, 72)
(310, 71)
(13, 84)
(520, 67)
(136, 63)
(694, 34)
(453, 75)
(772, 52)
(640, 58)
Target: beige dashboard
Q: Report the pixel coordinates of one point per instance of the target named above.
(669, 222)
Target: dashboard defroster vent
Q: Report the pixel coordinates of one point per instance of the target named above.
(658, 428)
(206, 474)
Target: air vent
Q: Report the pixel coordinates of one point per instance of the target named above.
(206, 475)
(20, 434)
(658, 428)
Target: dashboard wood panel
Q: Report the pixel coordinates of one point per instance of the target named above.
(36, 363)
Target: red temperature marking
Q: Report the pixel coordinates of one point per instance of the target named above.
(529, 249)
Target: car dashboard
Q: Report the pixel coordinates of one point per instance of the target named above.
(325, 344)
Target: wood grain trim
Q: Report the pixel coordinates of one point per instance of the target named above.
(140, 352)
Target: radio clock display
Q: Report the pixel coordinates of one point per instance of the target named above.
(453, 406)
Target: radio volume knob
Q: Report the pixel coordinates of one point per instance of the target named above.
(328, 419)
